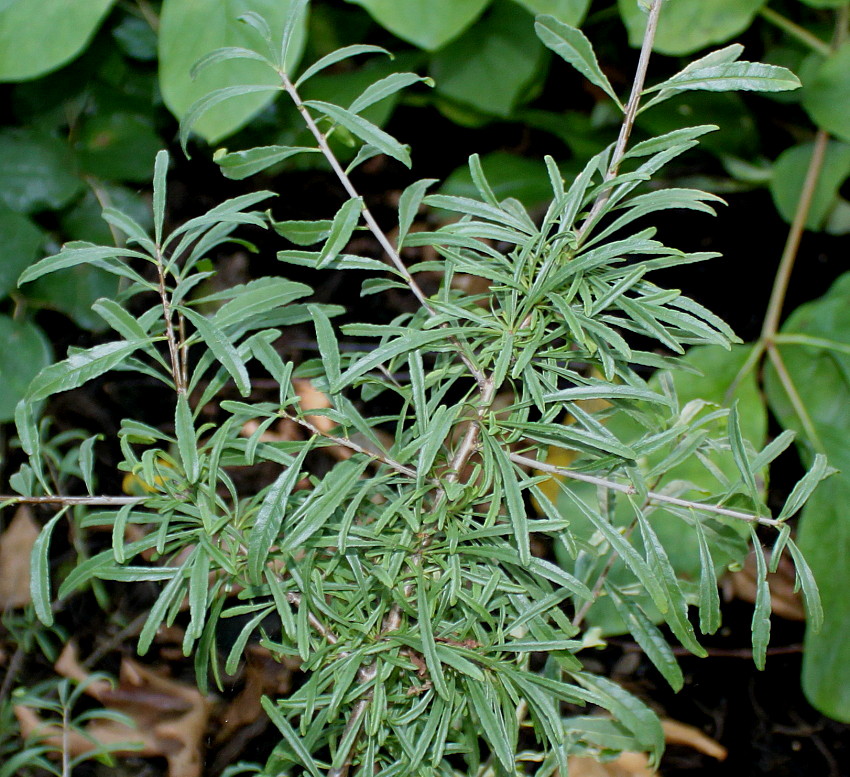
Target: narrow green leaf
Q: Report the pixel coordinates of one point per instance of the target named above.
(806, 579)
(222, 349)
(266, 528)
(186, 443)
(729, 77)
(328, 345)
(573, 46)
(86, 454)
(200, 107)
(363, 129)
(410, 341)
(226, 53)
(80, 368)
(761, 612)
(633, 560)
(160, 171)
(513, 499)
(291, 737)
(426, 632)
(602, 390)
(709, 596)
(481, 697)
(408, 206)
(237, 165)
(385, 87)
(316, 512)
(161, 606)
(119, 319)
(342, 228)
(199, 585)
(739, 453)
(238, 648)
(296, 18)
(805, 487)
(337, 56)
(256, 298)
(119, 526)
(76, 253)
(40, 572)
(649, 637)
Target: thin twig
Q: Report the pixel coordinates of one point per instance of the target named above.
(374, 228)
(174, 346)
(795, 30)
(795, 234)
(629, 118)
(796, 400)
(346, 443)
(93, 501)
(652, 496)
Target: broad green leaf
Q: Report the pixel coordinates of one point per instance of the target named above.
(118, 146)
(222, 349)
(74, 291)
(566, 11)
(789, 173)
(363, 129)
(428, 24)
(573, 46)
(493, 64)
(36, 170)
(257, 297)
(686, 26)
(80, 368)
(241, 164)
(826, 96)
(22, 240)
(34, 41)
(191, 29)
(25, 352)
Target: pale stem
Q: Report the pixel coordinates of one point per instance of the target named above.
(91, 501)
(173, 345)
(652, 496)
(793, 395)
(630, 114)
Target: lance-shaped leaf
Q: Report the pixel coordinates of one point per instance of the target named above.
(385, 87)
(74, 254)
(222, 349)
(805, 487)
(363, 129)
(761, 613)
(338, 56)
(240, 164)
(40, 575)
(257, 297)
(342, 228)
(573, 46)
(80, 368)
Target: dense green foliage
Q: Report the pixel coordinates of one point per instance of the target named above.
(404, 578)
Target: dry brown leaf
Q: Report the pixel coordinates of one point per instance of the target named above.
(15, 547)
(263, 675)
(637, 764)
(626, 765)
(170, 717)
(784, 601)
